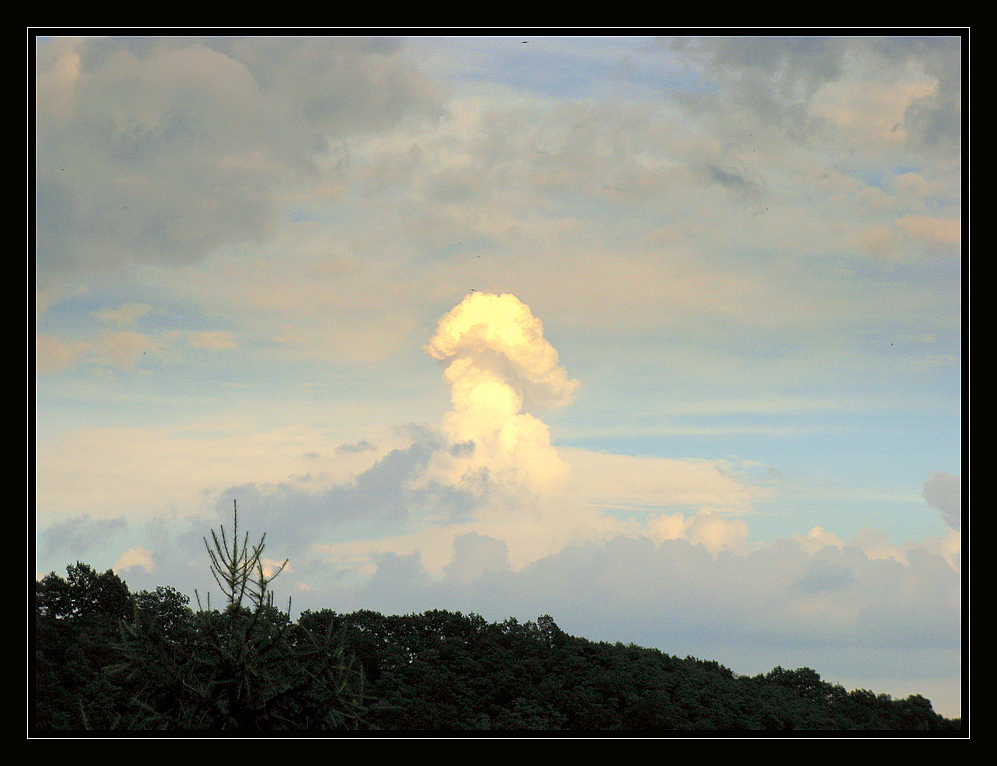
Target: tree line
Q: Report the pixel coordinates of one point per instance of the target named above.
(106, 659)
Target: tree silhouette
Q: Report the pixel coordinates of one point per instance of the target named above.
(245, 668)
(76, 624)
(238, 569)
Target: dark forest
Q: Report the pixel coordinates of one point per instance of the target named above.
(106, 659)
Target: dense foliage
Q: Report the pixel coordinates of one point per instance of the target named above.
(106, 659)
(448, 671)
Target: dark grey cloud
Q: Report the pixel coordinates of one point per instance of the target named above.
(933, 121)
(166, 148)
(80, 536)
(344, 84)
(386, 498)
(736, 182)
(943, 492)
(936, 121)
(361, 446)
(771, 76)
(794, 66)
(825, 576)
(775, 77)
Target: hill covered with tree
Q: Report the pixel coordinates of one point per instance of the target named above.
(106, 659)
(110, 660)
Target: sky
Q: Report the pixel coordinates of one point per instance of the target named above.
(660, 336)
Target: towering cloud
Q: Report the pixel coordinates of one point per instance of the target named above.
(499, 367)
(499, 334)
(538, 499)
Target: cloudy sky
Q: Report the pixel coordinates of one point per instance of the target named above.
(658, 336)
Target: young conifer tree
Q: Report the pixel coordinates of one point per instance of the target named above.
(239, 569)
(248, 667)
